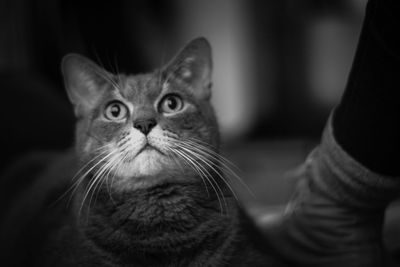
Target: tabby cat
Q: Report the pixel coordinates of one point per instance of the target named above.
(145, 181)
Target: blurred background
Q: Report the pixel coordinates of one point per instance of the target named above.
(279, 68)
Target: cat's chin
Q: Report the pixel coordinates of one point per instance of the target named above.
(142, 171)
(148, 162)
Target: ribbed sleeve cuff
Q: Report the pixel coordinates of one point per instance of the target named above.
(348, 181)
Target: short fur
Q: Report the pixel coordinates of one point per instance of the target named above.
(155, 199)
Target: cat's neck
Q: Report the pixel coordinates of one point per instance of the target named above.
(170, 219)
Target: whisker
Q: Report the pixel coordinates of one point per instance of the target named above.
(212, 150)
(221, 160)
(75, 176)
(82, 177)
(117, 70)
(193, 167)
(104, 74)
(94, 182)
(201, 171)
(95, 157)
(115, 163)
(103, 176)
(211, 165)
(162, 61)
(118, 165)
(171, 155)
(92, 167)
(208, 176)
(107, 78)
(94, 179)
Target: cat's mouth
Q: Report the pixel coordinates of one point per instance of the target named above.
(148, 147)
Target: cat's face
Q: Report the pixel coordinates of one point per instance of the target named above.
(142, 129)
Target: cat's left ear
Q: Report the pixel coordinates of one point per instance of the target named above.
(83, 80)
(193, 66)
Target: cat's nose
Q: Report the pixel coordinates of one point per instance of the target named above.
(145, 126)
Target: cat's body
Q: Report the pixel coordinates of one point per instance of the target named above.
(169, 225)
(145, 179)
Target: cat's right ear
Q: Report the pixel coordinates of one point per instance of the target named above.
(83, 80)
(193, 66)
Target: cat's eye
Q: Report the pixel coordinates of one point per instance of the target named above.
(171, 103)
(115, 111)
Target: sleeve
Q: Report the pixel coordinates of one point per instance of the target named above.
(336, 215)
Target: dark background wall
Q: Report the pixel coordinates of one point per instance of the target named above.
(280, 66)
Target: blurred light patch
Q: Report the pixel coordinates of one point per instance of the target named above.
(332, 43)
(225, 23)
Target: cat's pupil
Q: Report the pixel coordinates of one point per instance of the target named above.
(171, 103)
(115, 110)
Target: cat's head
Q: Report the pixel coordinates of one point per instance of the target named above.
(143, 128)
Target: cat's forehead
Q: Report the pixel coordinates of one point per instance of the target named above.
(142, 87)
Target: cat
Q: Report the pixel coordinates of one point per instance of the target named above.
(144, 184)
